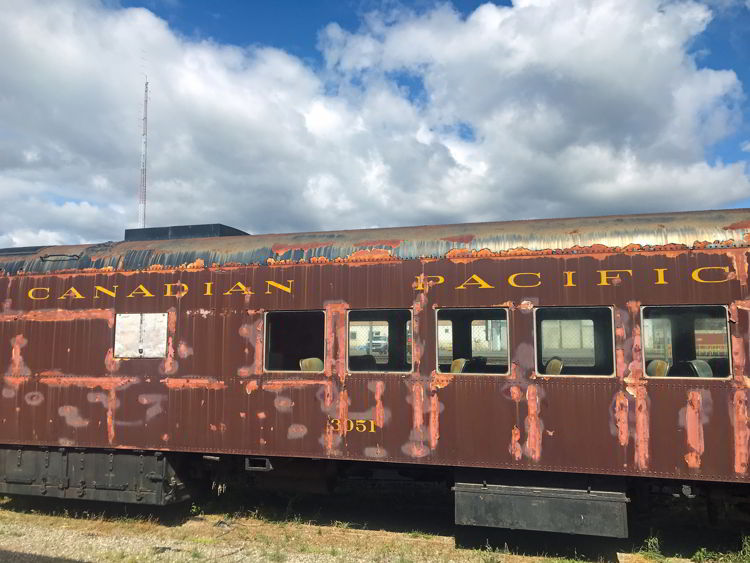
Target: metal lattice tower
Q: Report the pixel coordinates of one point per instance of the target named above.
(144, 147)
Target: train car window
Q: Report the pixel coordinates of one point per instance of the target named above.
(141, 335)
(574, 341)
(473, 341)
(380, 340)
(295, 341)
(686, 341)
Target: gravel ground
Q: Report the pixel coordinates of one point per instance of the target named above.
(311, 531)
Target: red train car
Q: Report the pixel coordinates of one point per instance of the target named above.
(548, 369)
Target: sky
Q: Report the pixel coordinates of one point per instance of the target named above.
(291, 116)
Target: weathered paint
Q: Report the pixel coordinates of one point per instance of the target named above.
(694, 430)
(533, 445)
(212, 394)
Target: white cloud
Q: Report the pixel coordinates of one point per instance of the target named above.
(541, 109)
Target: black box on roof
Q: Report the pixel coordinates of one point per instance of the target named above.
(182, 231)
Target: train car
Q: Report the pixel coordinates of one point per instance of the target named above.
(549, 370)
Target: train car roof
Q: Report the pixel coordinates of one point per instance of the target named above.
(579, 235)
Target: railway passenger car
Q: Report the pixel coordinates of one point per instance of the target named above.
(550, 370)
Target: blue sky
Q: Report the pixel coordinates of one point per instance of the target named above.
(293, 116)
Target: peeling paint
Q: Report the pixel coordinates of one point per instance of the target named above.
(741, 431)
(296, 431)
(72, 416)
(515, 444)
(694, 430)
(621, 418)
(533, 446)
(181, 384)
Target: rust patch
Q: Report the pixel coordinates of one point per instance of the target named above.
(280, 384)
(111, 364)
(434, 420)
(741, 431)
(440, 380)
(343, 411)
(379, 409)
(283, 403)
(72, 417)
(169, 365)
(183, 350)
(515, 393)
(393, 243)
(61, 315)
(737, 226)
(336, 340)
(515, 443)
(296, 431)
(17, 367)
(371, 255)
(642, 431)
(251, 386)
(738, 359)
(694, 430)
(90, 382)
(533, 446)
(180, 384)
(740, 265)
(621, 418)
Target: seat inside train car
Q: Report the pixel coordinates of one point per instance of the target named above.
(686, 341)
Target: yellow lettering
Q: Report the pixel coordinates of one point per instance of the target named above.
(209, 288)
(479, 282)
(99, 289)
(183, 289)
(33, 290)
(569, 279)
(270, 283)
(239, 287)
(606, 277)
(421, 278)
(660, 276)
(512, 279)
(696, 275)
(72, 292)
(140, 290)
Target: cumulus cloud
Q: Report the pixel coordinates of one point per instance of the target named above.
(539, 109)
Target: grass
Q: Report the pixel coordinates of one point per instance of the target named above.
(704, 555)
(651, 549)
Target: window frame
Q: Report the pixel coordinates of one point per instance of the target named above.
(576, 375)
(348, 339)
(679, 378)
(437, 339)
(265, 339)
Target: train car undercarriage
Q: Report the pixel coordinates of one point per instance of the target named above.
(535, 501)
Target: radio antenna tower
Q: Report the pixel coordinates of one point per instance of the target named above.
(144, 148)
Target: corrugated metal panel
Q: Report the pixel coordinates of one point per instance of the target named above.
(634, 233)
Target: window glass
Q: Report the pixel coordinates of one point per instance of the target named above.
(295, 341)
(686, 341)
(380, 340)
(574, 341)
(472, 340)
(141, 335)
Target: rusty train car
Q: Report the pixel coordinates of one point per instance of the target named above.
(546, 368)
